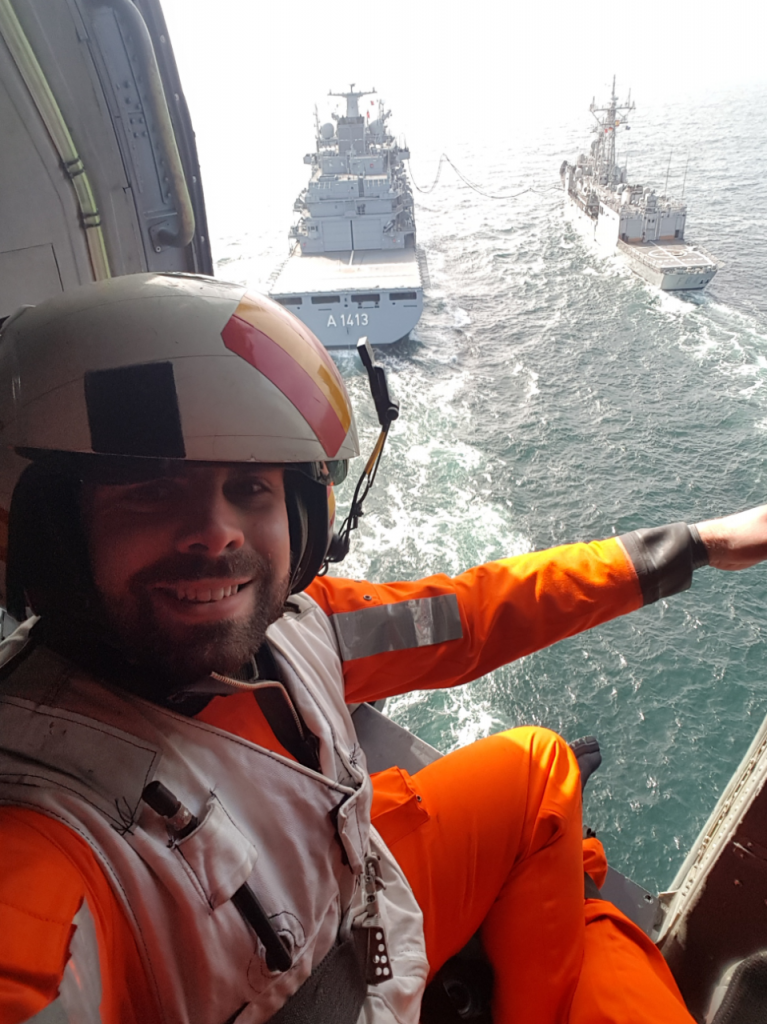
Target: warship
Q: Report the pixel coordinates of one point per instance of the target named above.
(645, 228)
(354, 268)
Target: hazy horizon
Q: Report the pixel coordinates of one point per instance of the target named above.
(455, 79)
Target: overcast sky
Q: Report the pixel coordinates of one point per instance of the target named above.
(252, 71)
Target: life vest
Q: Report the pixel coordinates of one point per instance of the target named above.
(82, 752)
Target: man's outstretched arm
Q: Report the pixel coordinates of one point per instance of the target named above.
(442, 631)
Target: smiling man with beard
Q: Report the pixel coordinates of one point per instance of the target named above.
(183, 589)
(188, 831)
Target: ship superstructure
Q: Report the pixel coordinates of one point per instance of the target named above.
(647, 228)
(354, 268)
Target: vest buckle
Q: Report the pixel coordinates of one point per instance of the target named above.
(377, 962)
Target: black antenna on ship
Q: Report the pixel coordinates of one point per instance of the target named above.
(668, 171)
(684, 179)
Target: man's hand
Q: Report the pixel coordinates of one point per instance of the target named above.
(738, 541)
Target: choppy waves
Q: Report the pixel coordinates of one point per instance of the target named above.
(549, 395)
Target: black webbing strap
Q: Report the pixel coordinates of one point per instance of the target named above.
(333, 993)
(287, 725)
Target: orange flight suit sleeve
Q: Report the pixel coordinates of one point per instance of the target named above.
(46, 871)
(40, 893)
(508, 609)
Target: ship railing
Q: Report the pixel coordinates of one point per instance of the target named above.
(423, 266)
(714, 259)
(279, 268)
(636, 254)
(580, 203)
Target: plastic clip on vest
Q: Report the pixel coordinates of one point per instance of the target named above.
(378, 967)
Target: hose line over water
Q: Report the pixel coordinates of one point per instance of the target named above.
(445, 159)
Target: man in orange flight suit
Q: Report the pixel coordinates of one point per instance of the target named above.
(158, 574)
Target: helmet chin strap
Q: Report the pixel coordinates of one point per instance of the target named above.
(387, 409)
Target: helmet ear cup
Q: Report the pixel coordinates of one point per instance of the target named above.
(48, 567)
(308, 518)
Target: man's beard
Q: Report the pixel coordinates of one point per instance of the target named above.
(179, 653)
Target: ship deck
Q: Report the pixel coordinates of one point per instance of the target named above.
(683, 257)
(359, 270)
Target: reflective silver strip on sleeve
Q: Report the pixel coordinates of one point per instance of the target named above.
(397, 627)
(54, 1013)
(79, 1000)
(80, 989)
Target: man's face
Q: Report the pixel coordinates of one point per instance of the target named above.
(191, 568)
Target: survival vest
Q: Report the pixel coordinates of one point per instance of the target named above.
(83, 753)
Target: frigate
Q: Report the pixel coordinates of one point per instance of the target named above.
(354, 268)
(644, 227)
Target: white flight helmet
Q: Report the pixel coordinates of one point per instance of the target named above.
(153, 367)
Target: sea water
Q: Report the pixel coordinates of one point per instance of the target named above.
(549, 395)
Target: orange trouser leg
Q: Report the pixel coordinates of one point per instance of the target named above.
(502, 850)
(624, 978)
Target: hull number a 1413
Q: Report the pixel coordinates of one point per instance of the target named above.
(349, 320)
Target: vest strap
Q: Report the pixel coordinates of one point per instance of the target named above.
(335, 990)
(287, 725)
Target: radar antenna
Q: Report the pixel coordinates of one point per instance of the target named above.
(352, 98)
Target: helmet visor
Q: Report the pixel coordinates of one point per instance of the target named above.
(331, 472)
(119, 469)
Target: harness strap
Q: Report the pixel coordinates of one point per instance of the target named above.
(335, 990)
(287, 725)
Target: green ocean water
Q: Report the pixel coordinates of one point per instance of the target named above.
(548, 395)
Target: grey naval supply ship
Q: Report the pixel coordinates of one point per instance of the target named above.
(646, 228)
(354, 268)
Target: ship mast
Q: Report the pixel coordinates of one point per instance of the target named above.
(352, 99)
(613, 116)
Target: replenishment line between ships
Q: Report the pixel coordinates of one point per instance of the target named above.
(354, 268)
